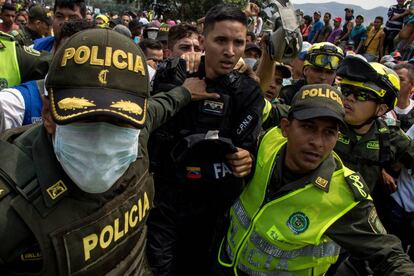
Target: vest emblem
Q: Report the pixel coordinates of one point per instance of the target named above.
(57, 189)
(298, 223)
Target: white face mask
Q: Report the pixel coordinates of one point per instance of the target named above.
(250, 61)
(95, 155)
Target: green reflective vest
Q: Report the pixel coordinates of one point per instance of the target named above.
(9, 66)
(285, 236)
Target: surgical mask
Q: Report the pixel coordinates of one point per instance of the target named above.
(95, 155)
(250, 61)
(136, 39)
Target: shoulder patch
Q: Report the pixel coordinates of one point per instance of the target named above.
(31, 51)
(390, 122)
(358, 186)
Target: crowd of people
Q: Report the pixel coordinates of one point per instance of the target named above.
(136, 144)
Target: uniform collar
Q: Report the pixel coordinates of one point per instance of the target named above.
(321, 177)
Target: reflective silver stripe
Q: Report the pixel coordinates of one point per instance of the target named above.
(323, 250)
(259, 273)
(241, 214)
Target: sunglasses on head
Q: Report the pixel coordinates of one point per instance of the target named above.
(360, 94)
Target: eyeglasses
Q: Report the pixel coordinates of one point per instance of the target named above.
(325, 60)
(360, 94)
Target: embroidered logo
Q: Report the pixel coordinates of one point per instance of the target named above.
(75, 103)
(102, 76)
(128, 106)
(57, 189)
(298, 223)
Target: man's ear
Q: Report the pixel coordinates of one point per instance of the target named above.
(381, 110)
(284, 126)
(48, 122)
(201, 40)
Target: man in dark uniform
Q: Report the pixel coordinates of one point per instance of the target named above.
(196, 176)
(321, 61)
(20, 63)
(303, 204)
(75, 192)
(38, 26)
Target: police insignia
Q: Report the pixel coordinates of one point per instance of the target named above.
(298, 223)
(343, 139)
(3, 83)
(213, 107)
(57, 189)
(373, 145)
(375, 222)
(321, 182)
(358, 186)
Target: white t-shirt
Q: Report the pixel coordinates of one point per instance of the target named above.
(12, 102)
(405, 110)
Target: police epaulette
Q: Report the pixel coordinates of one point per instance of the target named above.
(358, 186)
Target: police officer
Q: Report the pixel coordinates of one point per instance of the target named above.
(321, 62)
(193, 155)
(20, 63)
(38, 26)
(303, 204)
(75, 191)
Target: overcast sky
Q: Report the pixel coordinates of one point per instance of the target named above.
(366, 4)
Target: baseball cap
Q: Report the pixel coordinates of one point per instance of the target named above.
(317, 12)
(37, 12)
(318, 100)
(163, 32)
(338, 19)
(349, 9)
(253, 46)
(284, 70)
(92, 74)
(305, 46)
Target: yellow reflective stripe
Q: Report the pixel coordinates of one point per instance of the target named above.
(327, 249)
(266, 110)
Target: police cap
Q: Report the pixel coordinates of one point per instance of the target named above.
(318, 100)
(98, 72)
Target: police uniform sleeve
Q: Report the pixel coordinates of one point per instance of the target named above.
(361, 233)
(164, 105)
(33, 64)
(249, 109)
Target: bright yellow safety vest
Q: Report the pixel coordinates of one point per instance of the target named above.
(285, 236)
(9, 66)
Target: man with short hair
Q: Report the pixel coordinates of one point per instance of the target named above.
(63, 11)
(8, 14)
(281, 72)
(38, 26)
(152, 50)
(326, 30)
(374, 44)
(358, 33)
(316, 27)
(405, 105)
(201, 156)
(182, 38)
(125, 19)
